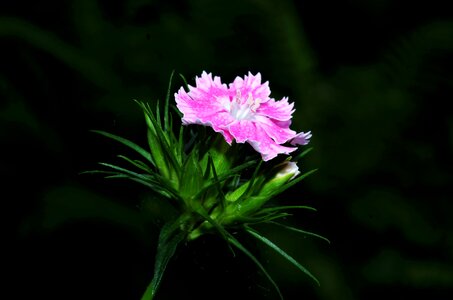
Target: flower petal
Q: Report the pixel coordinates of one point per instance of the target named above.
(251, 85)
(301, 138)
(278, 110)
(202, 101)
(280, 134)
(247, 131)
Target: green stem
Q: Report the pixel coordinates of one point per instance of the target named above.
(149, 293)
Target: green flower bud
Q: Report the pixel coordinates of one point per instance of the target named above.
(286, 171)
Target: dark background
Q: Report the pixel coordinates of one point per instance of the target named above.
(371, 79)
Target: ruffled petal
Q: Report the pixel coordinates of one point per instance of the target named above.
(220, 123)
(277, 110)
(242, 130)
(267, 147)
(251, 84)
(280, 134)
(202, 101)
(247, 131)
(301, 138)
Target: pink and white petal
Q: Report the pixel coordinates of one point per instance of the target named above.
(272, 150)
(242, 130)
(219, 121)
(302, 138)
(284, 124)
(277, 110)
(208, 88)
(266, 146)
(247, 131)
(280, 134)
(251, 84)
(195, 109)
(222, 130)
(206, 82)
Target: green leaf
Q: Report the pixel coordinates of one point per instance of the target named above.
(218, 186)
(277, 208)
(232, 240)
(162, 145)
(299, 230)
(232, 173)
(129, 172)
(191, 180)
(250, 185)
(164, 191)
(127, 143)
(281, 252)
(169, 238)
(238, 245)
(138, 164)
(186, 85)
(156, 182)
(262, 219)
(167, 101)
(302, 154)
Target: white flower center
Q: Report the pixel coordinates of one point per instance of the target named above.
(244, 109)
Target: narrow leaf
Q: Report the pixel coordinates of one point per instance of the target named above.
(302, 154)
(219, 188)
(232, 240)
(168, 242)
(127, 143)
(129, 172)
(138, 164)
(277, 208)
(167, 101)
(186, 85)
(299, 230)
(281, 252)
(238, 245)
(250, 185)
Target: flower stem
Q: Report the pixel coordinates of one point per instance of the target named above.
(149, 293)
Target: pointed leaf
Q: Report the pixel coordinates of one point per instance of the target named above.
(138, 164)
(167, 101)
(168, 242)
(299, 230)
(238, 245)
(281, 252)
(127, 143)
(302, 154)
(277, 208)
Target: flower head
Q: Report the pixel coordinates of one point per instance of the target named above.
(242, 111)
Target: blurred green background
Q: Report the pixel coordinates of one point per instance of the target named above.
(371, 79)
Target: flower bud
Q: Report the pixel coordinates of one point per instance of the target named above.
(286, 171)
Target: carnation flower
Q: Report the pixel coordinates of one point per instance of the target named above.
(204, 187)
(242, 111)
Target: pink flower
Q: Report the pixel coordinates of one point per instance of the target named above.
(242, 111)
